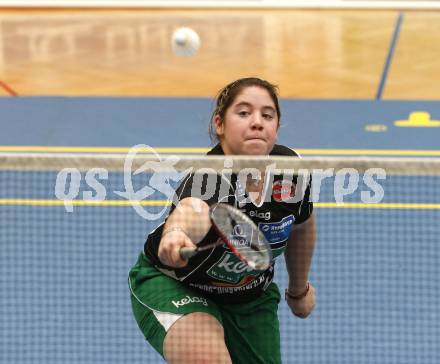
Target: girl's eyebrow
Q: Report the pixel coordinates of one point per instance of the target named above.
(244, 103)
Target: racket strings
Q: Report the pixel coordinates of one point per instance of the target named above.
(242, 235)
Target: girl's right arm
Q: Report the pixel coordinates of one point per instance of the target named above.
(187, 225)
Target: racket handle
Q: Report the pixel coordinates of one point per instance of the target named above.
(187, 253)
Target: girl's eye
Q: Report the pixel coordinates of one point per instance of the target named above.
(268, 116)
(243, 113)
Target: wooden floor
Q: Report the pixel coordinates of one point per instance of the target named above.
(309, 54)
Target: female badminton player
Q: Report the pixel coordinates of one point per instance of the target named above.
(215, 305)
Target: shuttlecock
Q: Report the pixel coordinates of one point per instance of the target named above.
(185, 42)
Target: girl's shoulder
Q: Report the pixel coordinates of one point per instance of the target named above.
(279, 149)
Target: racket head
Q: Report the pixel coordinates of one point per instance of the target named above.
(241, 235)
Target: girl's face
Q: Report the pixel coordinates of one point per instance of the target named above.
(250, 124)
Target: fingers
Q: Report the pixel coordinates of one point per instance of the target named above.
(169, 249)
(304, 306)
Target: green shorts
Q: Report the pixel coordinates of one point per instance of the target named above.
(251, 329)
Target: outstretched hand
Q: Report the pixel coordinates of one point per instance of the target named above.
(302, 306)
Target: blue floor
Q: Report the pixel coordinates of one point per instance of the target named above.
(183, 122)
(63, 279)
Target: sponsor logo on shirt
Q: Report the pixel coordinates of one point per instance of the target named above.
(238, 238)
(283, 190)
(276, 232)
(188, 299)
(229, 268)
(260, 215)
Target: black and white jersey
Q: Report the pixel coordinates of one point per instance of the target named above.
(218, 272)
